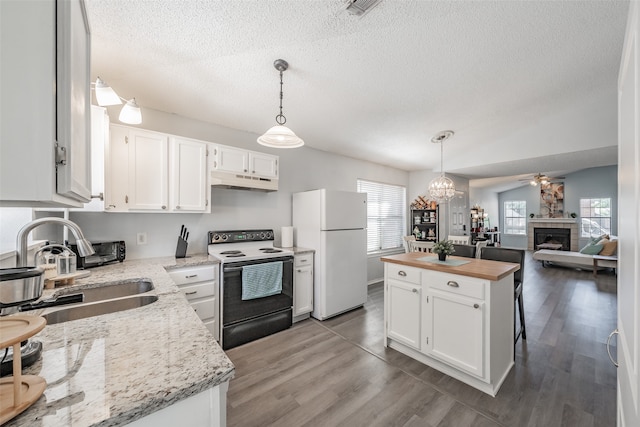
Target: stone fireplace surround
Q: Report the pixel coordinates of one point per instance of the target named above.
(567, 223)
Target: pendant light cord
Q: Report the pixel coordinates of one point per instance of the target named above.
(441, 160)
(280, 118)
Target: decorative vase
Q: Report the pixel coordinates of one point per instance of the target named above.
(442, 257)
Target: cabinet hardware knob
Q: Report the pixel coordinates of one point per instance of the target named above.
(178, 207)
(111, 207)
(191, 293)
(401, 273)
(614, 332)
(414, 290)
(453, 284)
(299, 271)
(191, 276)
(164, 207)
(476, 306)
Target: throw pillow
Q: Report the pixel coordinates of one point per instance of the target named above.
(598, 238)
(610, 248)
(591, 249)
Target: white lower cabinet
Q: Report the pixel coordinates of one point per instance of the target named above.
(302, 286)
(459, 325)
(403, 305)
(200, 286)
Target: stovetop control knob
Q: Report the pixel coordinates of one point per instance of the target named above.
(225, 237)
(250, 236)
(262, 235)
(268, 235)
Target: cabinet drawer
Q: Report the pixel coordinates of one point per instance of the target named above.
(199, 290)
(205, 308)
(185, 276)
(459, 285)
(302, 260)
(403, 273)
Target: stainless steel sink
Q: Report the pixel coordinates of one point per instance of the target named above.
(84, 310)
(113, 290)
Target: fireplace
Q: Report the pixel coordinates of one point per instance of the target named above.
(557, 228)
(561, 236)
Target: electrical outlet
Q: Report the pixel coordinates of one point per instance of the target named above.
(142, 239)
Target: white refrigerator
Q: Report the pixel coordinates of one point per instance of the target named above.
(334, 224)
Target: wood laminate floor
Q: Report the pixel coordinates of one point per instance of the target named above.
(338, 373)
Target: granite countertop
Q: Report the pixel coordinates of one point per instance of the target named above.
(473, 267)
(297, 250)
(113, 369)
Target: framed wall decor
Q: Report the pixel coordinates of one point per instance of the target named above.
(552, 199)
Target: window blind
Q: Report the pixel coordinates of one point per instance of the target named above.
(386, 214)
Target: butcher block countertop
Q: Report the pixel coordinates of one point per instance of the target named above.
(479, 268)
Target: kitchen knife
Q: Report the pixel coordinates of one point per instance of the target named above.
(182, 231)
(187, 236)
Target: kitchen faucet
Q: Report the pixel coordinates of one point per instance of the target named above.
(84, 246)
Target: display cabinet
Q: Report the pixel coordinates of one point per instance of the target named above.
(424, 224)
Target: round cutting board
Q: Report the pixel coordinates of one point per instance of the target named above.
(15, 329)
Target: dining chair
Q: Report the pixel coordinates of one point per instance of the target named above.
(515, 256)
(459, 240)
(467, 251)
(406, 242)
(419, 246)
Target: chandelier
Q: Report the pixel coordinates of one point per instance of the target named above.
(442, 188)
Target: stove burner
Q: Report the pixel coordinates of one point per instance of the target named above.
(270, 250)
(236, 255)
(230, 252)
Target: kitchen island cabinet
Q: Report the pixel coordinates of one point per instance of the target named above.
(457, 319)
(154, 365)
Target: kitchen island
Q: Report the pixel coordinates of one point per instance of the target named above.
(154, 365)
(455, 316)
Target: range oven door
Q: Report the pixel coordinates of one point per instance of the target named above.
(245, 321)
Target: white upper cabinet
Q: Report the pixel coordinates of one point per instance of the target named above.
(263, 165)
(231, 159)
(233, 167)
(45, 126)
(188, 175)
(150, 171)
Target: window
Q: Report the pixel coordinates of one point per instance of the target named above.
(386, 215)
(595, 217)
(515, 219)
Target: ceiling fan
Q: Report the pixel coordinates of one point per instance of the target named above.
(541, 179)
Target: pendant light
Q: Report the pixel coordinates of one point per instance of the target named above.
(280, 136)
(442, 188)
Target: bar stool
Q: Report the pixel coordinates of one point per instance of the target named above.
(515, 256)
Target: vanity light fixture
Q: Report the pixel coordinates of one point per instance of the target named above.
(442, 188)
(280, 136)
(105, 95)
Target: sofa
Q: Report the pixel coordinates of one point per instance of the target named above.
(598, 254)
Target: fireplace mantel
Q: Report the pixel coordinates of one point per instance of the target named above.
(570, 223)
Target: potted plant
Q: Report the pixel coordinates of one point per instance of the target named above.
(443, 248)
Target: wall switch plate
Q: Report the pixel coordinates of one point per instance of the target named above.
(141, 239)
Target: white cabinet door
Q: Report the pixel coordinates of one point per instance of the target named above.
(457, 330)
(303, 285)
(230, 159)
(404, 308)
(148, 170)
(263, 165)
(99, 141)
(628, 348)
(116, 170)
(45, 97)
(73, 92)
(188, 175)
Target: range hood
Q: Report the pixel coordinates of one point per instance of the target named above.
(238, 181)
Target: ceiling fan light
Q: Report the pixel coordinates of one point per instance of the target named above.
(105, 95)
(280, 137)
(533, 182)
(131, 113)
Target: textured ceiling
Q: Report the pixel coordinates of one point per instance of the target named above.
(378, 87)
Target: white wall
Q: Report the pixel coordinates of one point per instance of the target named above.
(301, 169)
